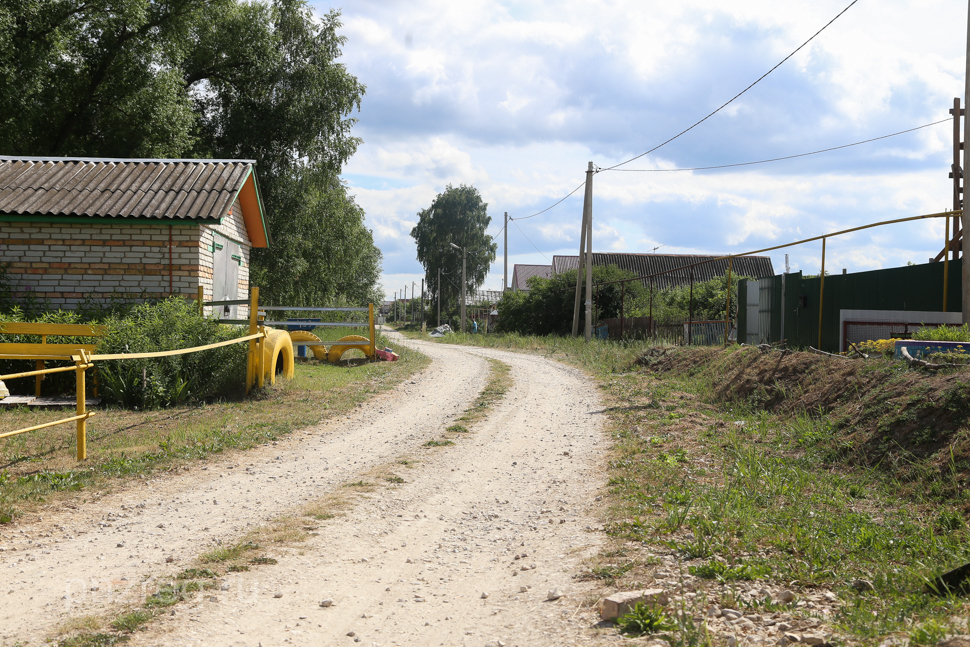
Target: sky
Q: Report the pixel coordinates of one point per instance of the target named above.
(517, 97)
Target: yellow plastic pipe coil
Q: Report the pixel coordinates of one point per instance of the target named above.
(278, 345)
(320, 352)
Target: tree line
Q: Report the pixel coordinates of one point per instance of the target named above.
(221, 79)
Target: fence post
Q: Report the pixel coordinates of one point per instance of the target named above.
(622, 303)
(253, 344)
(81, 362)
(821, 294)
(373, 334)
(253, 329)
(727, 312)
(690, 309)
(946, 262)
(201, 300)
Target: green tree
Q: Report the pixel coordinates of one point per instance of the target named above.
(547, 308)
(457, 215)
(217, 79)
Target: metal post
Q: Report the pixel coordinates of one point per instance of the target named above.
(966, 144)
(252, 364)
(589, 252)
(464, 286)
(946, 263)
(727, 312)
(821, 295)
(652, 330)
(439, 296)
(201, 301)
(505, 275)
(373, 332)
(690, 309)
(82, 429)
(579, 267)
(622, 303)
(957, 174)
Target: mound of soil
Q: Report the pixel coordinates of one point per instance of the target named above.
(876, 409)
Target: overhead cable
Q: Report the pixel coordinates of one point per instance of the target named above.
(729, 101)
(776, 159)
(529, 239)
(555, 205)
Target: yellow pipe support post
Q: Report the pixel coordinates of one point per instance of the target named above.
(821, 294)
(253, 343)
(373, 334)
(946, 262)
(82, 431)
(727, 312)
(201, 300)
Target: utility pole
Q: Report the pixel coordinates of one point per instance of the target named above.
(589, 254)
(395, 306)
(464, 286)
(413, 320)
(505, 276)
(966, 144)
(582, 245)
(439, 296)
(422, 304)
(404, 306)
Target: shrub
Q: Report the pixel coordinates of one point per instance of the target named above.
(943, 333)
(547, 308)
(171, 324)
(54, 383)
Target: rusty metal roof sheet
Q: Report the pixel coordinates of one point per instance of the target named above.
(647, 264)
(120, 188)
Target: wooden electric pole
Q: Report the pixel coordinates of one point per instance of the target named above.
(439, 296)
(422, 305)
(464, 284)
(589, 252)
(505, 276)
(588, 197)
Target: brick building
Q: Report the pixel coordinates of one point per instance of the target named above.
(73, 228)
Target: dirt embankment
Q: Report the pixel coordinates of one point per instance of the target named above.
(874, 412)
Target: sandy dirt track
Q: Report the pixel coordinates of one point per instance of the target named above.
(505, 513)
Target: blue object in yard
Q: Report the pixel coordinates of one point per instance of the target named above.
(603, 332)
(923, 349)
(306, 325)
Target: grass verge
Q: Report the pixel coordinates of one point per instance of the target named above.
(40, 466)
(709, 467)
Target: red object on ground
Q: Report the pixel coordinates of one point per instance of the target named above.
(387, 355)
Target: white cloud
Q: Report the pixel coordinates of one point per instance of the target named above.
(516, 97)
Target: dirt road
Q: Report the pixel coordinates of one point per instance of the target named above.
(465, 552)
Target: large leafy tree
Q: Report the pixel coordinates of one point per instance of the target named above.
(457, 215)
(216, 79)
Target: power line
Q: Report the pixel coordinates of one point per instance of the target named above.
(555, 205)
(729, 101)
(774, 159)
(529, 239)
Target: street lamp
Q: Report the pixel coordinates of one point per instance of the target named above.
(464, 254)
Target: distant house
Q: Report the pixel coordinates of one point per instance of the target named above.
(76, 228)
(653, 264)
(522, 273)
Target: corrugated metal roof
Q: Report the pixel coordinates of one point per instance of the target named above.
(120, 188)
(647, 264)
(522, 273)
